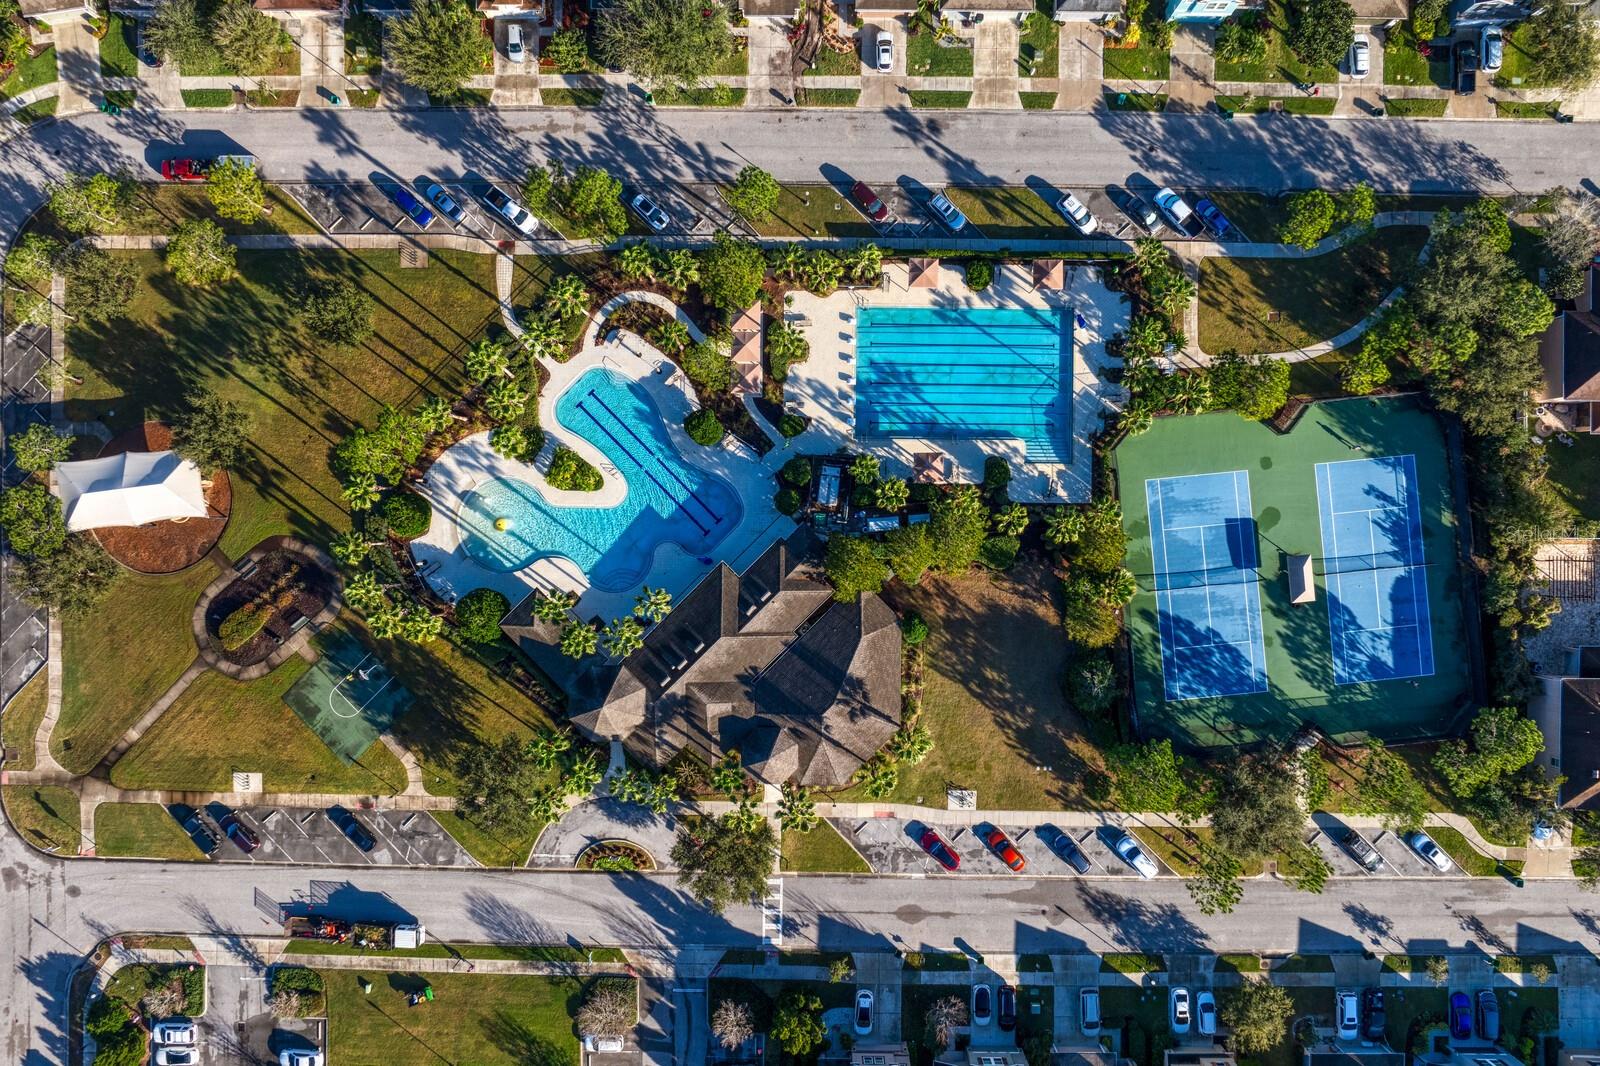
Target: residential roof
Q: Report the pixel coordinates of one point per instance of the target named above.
(1580, 742)
(924, 273)
(769, 8)
(1380, 10)
(297, 5)
(129, 489)
(38, 8)
(1049, 274)
(1569, 352)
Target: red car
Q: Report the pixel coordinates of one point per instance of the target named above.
(185, 169)
(1004, 850)
(871, 205)
(934, 845)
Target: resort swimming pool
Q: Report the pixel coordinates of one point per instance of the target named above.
(669, 500)
(967, 373)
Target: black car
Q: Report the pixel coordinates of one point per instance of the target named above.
(1136, 208)
(351, 827)
(195, 826)
(1466, 69)
(1006, 1008)
(242, 835)
(1067, 848)
(1373, 1019)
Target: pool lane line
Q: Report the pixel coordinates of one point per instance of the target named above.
(716, 519)
(642, 468)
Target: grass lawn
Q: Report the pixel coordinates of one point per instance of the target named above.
(1116, 101)
(436, 950)
(37, 111)
(207, 97)
(1141, 63)
(30, 73)
(21, 721)
(1292, 105)
(1403, 1007)
(831, 64)
(118, 58)
(143, 830)
(708, 96)
(993, 696)
(47, 816)
(1004, 211)
(1420, 108)
(1469, 858)
(1523, 963)
(1132, 962)
(487, 1019)
(363, 43)
(131, 983)
(939, 98)
(1238, 964)
(814, 211)
(1303, 964)
(1258, 215)
(915, 1002)
(1314, 298)
(1037, 101)
(1516, 1003)
(463, 97)
(1179, 849)
(118, 659)
(571, 97)
(1516, 62)
(734, 64)
(220, 725)
(1575, 473)
(822, 850)
(927, 58)
(1404, 65)
(1280, 63)
(1547, 109)
(810, 97)
(1039, 46)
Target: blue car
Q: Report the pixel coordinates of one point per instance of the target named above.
(1213, 219)
(446, 204)
(413, 208)
(1460, 1016)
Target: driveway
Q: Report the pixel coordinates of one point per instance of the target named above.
(605, 819)
(237, 1028)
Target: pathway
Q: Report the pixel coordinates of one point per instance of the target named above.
(150, 716)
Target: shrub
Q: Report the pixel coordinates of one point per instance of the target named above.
(786, 345)
(998, 553)
(703, 427)
(913, 630)
(797, 471)
(787, 501)
(709, 366)
(996, 475)
(980, 275)
(571, 471)
(792, 425)
(240, 627)
(298, 978)
(1092, 684)
(408, 514)
(478, 615)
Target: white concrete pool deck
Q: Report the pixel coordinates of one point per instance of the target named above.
(452, 573)
(823, 387)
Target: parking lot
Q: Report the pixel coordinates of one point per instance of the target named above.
(1398, 859)
(370, 208)
(890, 846)
(308, 835)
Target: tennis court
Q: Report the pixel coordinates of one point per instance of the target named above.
(348, 697)
(1378, 622)
(1209, 608)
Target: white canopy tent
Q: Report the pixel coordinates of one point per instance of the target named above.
(131, 489)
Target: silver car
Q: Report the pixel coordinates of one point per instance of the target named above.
(654, 215)
(445, 204)
(1491, 48)
(883, 52)
(1430, 852)
(1129, 851)
(1360, 56)
(511, 211)
(1073, 211)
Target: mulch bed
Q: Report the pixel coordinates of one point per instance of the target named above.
(165, 547)
(310, 588)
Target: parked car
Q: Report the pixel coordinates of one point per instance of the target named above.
(599, 1043)
(1491, 48)
(173, 1032)
(1460, 1016)
(176, 1056)
(863, 1011)
(1089, 1012)
(1212, 218)
(655, 216)
(413, 207)
(1129, 851)
(195, 826)
(1360, 56)
(1361, 851)
(1136, 208)
(948, 213)
(1373, 1019)
(1347, 1015)
(1431, 853)
(445, 204)
(299, 1057)
(1178, 1010)
(185, 169)
(242, 835)
(1063, 845)
(934, 845)
(510, 211)
(514, 49)
(1006, 1008)
(1488, 1016)
(1073, 211)
(1004, 850)
(1177, 211)
(352, 827)
(1466, 68)
(1205, 1013)
(982, 1005)
(871, 203)
(883, 52)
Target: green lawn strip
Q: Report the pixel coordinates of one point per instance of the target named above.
(1317, 297)
(1303, 964)
(1031, 963)
(362, 97)
(1523, 963)
(1421, 107)
(437, 950)
(581, 97)
(1035, 101)
(30, 73)
(130, 983)
(220, 725)
(819, 959)
(264, 98)
(490, 847)
(486, 1019)
(1547, 109)
(141, 830)
(37, 111)
(463, 97)
(1238, 964)
(1039, 46)
(1121, 101)
(735, 64)
(363, 32)
(1293, 105)
(1003, 211)
(1258, 214)
(157, 942)
(1469, 858)
(207, 97)
(706, 96)
(1403, 64)
(1132, 962)
(20, 722)
(939, 961)
(822, 850)
(810, 97)
(939, 98)
(1141, 63)
(119, 658)
(165, 207)
(927, 58)
(831, 64)
(118, 58)
(814, 211)
(123, 98)
(46, 817)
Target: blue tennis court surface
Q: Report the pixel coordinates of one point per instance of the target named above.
(1208, 605)
(941, 372)
(1377, 587)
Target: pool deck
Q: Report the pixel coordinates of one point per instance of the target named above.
(464, 466)
(823, 387)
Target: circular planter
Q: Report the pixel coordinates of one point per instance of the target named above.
(297, 587)
(165, 547)
(592, 856)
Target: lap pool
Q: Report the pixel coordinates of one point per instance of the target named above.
(669, 500)
(967, 373)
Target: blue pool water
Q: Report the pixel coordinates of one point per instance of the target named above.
(669, 500)
(967, 373)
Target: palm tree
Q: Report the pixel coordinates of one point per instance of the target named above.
(1062, 526)
(351, 549)
(637, 261)
(548, 746)
(822, 270)
(505, 401)
(510, 441)
(787, 260)
(364, 592)
(893, 494)
(652, 604)
(544, 336)
(553, 606)
(864, 261)
(583, 775)
(487, 359)
(546, 805)
(1116, 588)
(797, 811)
(420, 625)
(579, 639)
(1136, 418)
(1175, 296)
(566, 297)
(362, 492)
(1150, 255)
(386, 621)
(679, 269)
(671, 337)
(1011, 521)
(435, 414)
(624, 636)
(864, 469)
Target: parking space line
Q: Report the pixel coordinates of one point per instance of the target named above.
(410, 856)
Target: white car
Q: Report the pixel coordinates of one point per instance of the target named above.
(948, 212)
(1360, 56)
(511, 211)
(1491, 48)
(1073, 211)
(1178, 212)
(514, 49)
(602, 1043)
(1129, 851)
(176, 1056)
(174, 1032)
(1347, 1014)
(1178, 1000)
(864, 1012)
(654, 215)
(1089, 1011)
(299, 1056)
(982, 1004)
(1431, 853)
(1205, 1011)
(883, 52)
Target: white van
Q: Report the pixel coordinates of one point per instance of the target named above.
(514, 50)
(1089, 1011)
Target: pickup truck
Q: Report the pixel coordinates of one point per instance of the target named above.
(196, 169)
(1179, 215)
(400, 936)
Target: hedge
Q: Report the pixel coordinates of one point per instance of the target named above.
(703, 427)
(409, 515)
(478, 615)
(240, 627)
